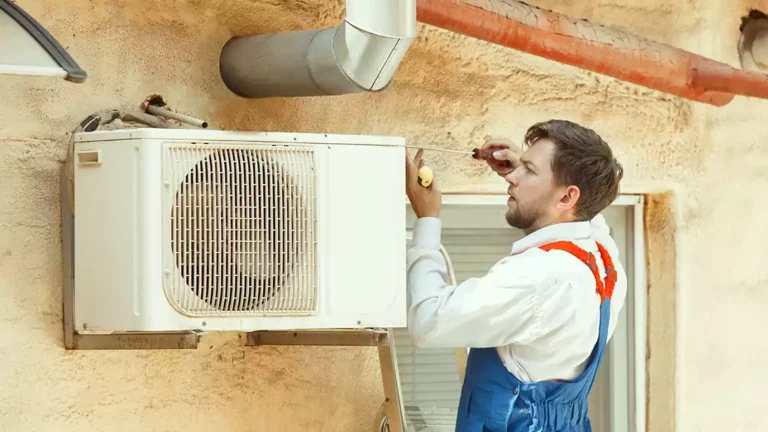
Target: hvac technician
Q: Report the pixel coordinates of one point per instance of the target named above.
(539, 320)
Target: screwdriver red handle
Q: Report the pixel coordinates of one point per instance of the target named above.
(487, 153)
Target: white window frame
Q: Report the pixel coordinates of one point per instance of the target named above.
(635, 369)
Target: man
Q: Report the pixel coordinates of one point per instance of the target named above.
(539, 320)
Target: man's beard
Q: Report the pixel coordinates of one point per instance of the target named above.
(520, 219)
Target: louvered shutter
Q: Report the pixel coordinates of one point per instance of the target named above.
(429, 385)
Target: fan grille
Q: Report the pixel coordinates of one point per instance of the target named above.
(242, 229)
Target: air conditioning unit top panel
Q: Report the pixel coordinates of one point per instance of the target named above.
(213, 135)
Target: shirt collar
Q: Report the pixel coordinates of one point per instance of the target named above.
(551, 233)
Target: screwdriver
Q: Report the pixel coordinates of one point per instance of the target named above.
(425, 173)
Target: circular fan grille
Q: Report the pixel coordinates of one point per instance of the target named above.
(233, 229)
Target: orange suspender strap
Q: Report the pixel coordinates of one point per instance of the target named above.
(605, 290)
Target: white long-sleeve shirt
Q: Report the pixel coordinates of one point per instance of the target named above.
(540, 310)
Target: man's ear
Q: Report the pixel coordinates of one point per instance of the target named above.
(569, 198)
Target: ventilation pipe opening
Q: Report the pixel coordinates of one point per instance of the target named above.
(359, 55)
(753, 42)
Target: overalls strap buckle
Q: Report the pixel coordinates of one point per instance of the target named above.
(604, 288)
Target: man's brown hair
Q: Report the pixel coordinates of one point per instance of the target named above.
(582, 159)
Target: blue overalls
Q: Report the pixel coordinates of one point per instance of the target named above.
(493, 400)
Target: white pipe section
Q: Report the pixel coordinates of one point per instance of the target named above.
(360, 54)
(153, 109)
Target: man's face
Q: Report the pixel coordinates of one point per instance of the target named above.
(532, 190)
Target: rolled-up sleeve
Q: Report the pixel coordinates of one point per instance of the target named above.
(494, 310)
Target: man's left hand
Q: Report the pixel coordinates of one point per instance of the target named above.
(425, 202)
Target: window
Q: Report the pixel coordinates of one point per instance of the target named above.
(475, 236)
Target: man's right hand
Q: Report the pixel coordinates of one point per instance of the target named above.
(505, 157)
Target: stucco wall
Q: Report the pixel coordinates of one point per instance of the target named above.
(449, 89)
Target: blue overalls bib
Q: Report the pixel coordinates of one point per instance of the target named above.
(494, 400)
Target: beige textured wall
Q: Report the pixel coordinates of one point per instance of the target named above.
(709, 284)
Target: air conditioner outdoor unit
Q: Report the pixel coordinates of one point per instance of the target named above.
(180, 229)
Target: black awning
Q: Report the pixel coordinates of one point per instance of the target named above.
(26, 48)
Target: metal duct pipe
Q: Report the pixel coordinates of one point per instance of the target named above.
(593, 47)
(359, 55)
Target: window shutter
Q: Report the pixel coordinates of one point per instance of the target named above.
(429, 385)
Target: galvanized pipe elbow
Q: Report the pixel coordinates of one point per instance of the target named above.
(359, 55)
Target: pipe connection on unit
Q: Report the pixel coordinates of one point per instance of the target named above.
(359, 55)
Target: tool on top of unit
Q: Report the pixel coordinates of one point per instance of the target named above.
(425, 174)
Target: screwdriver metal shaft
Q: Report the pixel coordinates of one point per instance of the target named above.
(442, 150)
(425, 173)
(476, 153)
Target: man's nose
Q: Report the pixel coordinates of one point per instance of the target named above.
(511, 178)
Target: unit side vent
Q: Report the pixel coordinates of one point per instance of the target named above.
(242, 229)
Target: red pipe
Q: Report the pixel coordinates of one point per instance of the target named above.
(593, 47)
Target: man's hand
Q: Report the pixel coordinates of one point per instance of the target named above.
(424, 201)
(506, 158)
